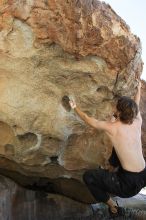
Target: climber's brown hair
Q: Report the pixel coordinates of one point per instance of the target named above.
(127, 109)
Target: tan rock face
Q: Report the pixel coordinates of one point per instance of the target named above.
(49, 50)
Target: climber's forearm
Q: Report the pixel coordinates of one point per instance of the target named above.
(81, 114)
(137, 96)
(102, 125)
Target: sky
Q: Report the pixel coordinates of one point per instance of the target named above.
(133, 12)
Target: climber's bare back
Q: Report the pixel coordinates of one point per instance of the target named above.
(126, 140)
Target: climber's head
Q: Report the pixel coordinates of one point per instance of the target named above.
(127, 109)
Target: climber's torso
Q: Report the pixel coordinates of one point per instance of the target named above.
(127, 142)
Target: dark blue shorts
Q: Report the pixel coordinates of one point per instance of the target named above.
(122, 183)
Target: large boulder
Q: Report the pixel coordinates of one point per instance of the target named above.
(50, 50)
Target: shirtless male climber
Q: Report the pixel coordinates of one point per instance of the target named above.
(125, 135)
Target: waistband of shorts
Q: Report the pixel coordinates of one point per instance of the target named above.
(131, 172)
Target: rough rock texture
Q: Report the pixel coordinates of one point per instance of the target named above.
(50, 50)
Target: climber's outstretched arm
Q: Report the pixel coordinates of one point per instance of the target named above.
(137, 99)
(138, 94)
(102, 125)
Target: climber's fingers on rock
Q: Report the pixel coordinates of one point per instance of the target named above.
(72, 103)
